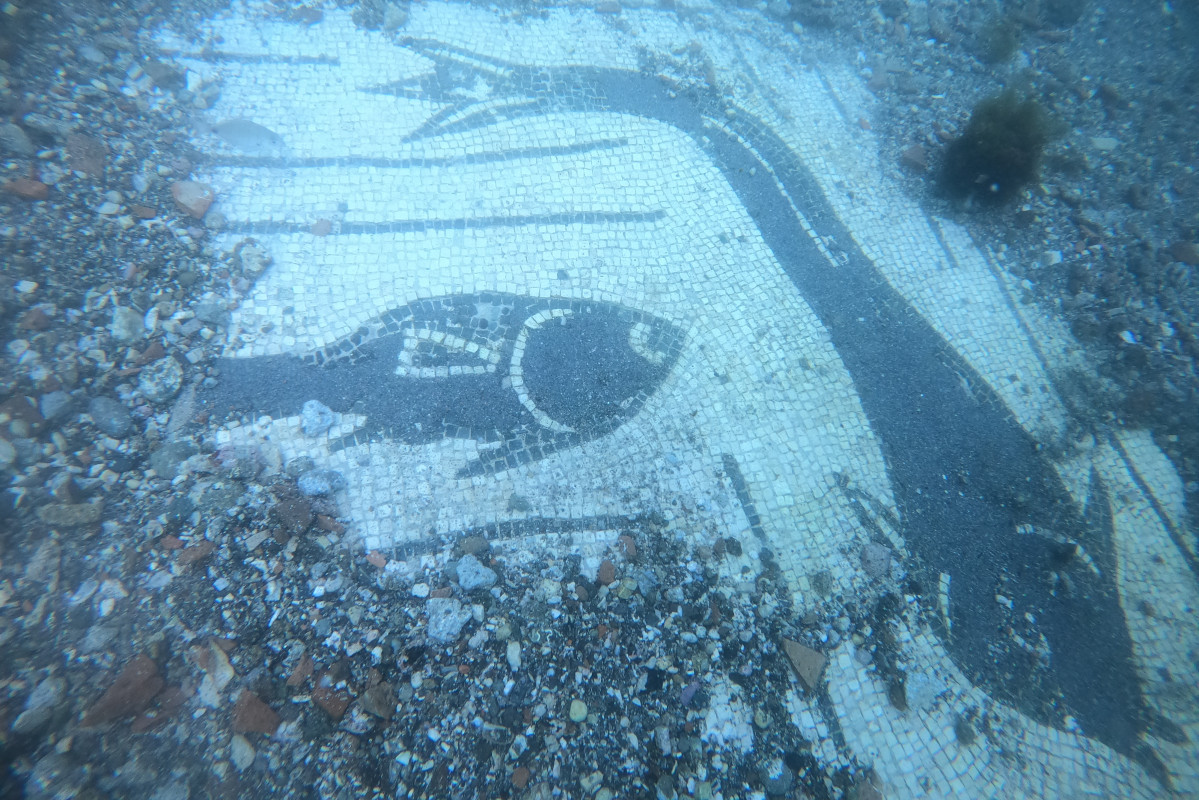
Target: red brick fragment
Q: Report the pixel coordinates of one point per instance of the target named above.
(132, 691)
(627, 546)
(193, 197)
(152, 353)
(327, 523)
(301, 672)
(251, 715)
(196, 553)
(35, 319)
(87, 154)
(295, 515)
(28, 188)
(520, 777)
(607, 572)
(333, 701)
(19, 407)
(170, 701)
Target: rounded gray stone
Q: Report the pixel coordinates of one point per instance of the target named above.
(472, 574)
(110, 416)
(161, 380)
(299, 465)
(16, 141)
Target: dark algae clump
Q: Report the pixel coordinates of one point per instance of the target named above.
(998, 153)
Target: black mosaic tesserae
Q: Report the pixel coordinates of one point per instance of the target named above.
(998, 153)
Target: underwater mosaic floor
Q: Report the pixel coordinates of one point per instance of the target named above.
(556, 273)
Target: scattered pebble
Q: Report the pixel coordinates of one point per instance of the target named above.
(14, 140)
(41, 704)
(71, 515)
(161, 380)
(127, 325)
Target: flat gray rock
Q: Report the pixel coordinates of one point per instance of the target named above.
(315, 418)
(320, 482)
(876, 560)
(110, 416)
(472, 574)
(447, 617)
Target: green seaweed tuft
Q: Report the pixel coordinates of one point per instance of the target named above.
(999, 152)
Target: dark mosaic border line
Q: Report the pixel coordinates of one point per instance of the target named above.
(733, 470)
(423, 162)
(523, 527)
(964, 472)
(566, 218)
(824, 701)
(222, 57)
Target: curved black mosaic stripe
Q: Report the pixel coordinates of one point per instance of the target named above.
(964, 473)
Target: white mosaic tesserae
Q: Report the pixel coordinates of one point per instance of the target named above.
(546, 292)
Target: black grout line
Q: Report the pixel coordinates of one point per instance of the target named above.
(263, 227)
(284, 162)
(214, 57)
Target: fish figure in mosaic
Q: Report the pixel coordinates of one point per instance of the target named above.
(524, 377)
(979, 505)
